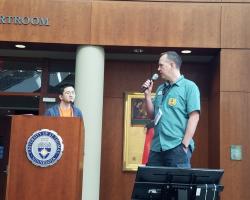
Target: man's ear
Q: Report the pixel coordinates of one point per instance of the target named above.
(60, 97)
(172, 64)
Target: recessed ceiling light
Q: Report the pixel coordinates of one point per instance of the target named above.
(20, 46)
(138, 50)
(186, 51)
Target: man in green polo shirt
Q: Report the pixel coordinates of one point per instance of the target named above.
(175, 110)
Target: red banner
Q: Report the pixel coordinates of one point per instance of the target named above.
(147, 145)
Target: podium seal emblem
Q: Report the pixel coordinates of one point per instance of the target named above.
(44, 148)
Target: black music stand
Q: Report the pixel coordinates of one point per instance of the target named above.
(165, 183)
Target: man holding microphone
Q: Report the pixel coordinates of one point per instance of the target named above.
(175, 111)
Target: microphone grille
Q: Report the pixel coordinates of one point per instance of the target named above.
(155, 77)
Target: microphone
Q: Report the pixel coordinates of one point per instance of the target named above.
(71, 102)
(153, 78)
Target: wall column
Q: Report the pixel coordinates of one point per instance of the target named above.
(89, 81)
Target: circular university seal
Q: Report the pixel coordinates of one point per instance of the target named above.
(44, 148)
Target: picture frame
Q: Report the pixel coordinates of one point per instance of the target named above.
(135, 120)
(138, 110)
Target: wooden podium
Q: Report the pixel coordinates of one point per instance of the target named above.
(26, 181)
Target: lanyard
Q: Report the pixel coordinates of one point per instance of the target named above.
(165, 92)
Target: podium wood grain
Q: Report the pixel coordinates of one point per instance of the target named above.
(62, 181)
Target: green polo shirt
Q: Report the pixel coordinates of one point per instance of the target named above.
(175, 101)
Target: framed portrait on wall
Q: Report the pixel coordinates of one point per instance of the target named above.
(138, 111)
(135, 120)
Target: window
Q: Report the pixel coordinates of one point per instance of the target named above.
(20, 76)
(60, 72)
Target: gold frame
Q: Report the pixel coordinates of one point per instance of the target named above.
(134, 135)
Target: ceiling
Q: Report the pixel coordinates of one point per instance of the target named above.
(68, 51)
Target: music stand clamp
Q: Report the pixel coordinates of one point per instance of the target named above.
(165, 183)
